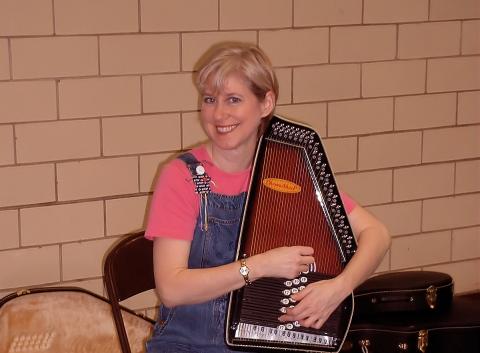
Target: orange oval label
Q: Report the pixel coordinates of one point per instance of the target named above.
(282, 185)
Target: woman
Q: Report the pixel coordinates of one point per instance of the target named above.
(197, 205)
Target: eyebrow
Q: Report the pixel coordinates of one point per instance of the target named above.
(233, 94)
(228, 94)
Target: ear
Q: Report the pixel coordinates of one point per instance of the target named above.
(268, 103)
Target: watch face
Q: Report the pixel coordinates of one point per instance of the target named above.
(244, 270)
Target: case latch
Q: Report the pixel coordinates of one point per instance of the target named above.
(432, 296)
(422, 342)
(364, 344)
(403, 347)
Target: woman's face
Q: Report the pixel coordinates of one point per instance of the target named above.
(231, 116)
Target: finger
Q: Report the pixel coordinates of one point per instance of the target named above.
(299, 296)
(285, 318)
(308, 322)
(302, 269)
(312, 321)
(307, 260)
(292, 316)
(319, 323)
(304, 250)
(289, 316)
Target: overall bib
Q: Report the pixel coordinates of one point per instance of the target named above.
(200, 328)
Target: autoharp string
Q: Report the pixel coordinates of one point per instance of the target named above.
(291, 218)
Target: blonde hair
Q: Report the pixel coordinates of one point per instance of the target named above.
(244, 59)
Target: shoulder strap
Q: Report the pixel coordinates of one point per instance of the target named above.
(199, 175)
(202, 184)
(191, 161)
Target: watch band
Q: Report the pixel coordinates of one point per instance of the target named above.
(244, 271)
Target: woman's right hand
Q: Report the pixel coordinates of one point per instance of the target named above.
(284, 262)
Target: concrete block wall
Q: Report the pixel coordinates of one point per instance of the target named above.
(95, 95)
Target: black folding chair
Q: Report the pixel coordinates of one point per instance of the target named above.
(128, 270)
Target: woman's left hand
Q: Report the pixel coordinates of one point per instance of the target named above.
(316, 302)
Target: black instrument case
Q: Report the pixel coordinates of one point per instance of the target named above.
(455, 330)
(413, 312)
(411, 291)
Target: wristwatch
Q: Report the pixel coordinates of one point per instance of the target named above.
(244, 271)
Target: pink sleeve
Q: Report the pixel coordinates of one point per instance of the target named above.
(348, 202)
(174, 206)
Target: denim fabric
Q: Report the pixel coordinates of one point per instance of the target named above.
(200, 328)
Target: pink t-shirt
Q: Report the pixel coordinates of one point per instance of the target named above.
(175, 205)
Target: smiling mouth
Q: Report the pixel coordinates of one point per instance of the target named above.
(226, 129)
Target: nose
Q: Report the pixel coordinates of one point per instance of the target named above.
(219, 111)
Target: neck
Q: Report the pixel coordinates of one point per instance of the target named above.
(232, 161)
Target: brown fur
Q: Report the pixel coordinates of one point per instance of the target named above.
(66, 322)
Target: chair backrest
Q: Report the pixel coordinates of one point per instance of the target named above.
(128, 270)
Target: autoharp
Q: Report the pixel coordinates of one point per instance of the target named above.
(293, 200)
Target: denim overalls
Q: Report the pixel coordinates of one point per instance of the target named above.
(200, 328)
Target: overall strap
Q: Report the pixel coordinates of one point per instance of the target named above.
(190, 160)
(199, 175)
(202, 183)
